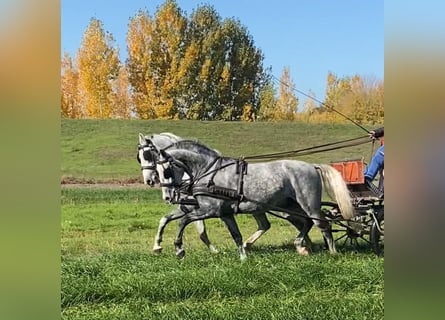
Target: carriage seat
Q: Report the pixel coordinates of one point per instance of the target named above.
(352, 172)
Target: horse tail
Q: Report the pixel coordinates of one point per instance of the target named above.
(337, 189)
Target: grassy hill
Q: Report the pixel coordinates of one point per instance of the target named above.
(105, 150)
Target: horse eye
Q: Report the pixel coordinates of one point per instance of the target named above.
(168, 173)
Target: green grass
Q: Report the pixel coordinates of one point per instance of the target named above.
(109, 272)
(104, 150)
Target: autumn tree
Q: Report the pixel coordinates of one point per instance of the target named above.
(139, 64)
(267, 102)
(98, 66)
(287, 102)
(202, 68)
(120, 96)
(168, 49)
(337, 89)
(356, 97)
(70, 99)
(309, 112)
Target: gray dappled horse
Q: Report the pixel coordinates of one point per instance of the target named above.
(147, 157)
(289, 188)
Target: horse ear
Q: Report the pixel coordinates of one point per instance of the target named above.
(141, 139)
(163, 153)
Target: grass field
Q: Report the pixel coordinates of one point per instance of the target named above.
(109, 271)
(104, 150)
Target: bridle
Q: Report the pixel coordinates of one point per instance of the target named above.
(150, 153)
(170, 173)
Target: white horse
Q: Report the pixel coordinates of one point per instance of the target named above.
(148, 155)
(288, 187)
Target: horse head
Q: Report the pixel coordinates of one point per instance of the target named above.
(171, 174)
(146, 156)
(148, 151)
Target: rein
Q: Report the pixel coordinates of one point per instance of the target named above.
(310, 150)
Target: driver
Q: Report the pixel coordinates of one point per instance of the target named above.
(376, 164)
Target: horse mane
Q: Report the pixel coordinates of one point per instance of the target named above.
(194, 145)
(170, 135)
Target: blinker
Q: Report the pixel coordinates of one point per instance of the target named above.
(168, 173)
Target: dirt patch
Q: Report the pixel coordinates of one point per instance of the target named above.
(74, 182)
(104, 185)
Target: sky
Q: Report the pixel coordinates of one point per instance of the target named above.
(309, 37)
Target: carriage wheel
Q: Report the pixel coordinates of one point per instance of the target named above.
(346, 233)
(377, 234)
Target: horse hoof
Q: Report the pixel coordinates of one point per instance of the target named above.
(303, 251)
(213, 249)
(157, 250)
(180, 254)
(247, 246)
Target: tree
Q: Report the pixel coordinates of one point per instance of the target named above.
(202, 66)
(121, 98)
(267, 102)
(98, 66)
(336, 91)
(309, 108)
(139, 64)
(287, 102)
(168, 49)
(70, 99)
(358, 98)
(245, 68)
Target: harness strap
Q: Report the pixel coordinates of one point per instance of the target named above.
(241, 169)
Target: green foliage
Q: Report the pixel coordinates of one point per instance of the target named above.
(267, 102)
(108, 271)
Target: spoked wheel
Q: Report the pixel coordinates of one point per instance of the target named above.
(377, 234)
(352, 234)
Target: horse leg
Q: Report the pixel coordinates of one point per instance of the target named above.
(231, 224)
(302, 224)
(326, 230)
(189, 217)
(263, 225)
(302, 237)
(175, 214)
(201, 228)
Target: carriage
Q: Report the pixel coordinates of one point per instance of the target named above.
(224, 188)
(367, 227)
